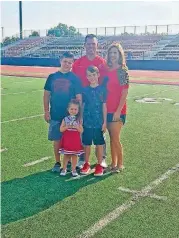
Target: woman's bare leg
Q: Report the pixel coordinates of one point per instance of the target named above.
(114, 129)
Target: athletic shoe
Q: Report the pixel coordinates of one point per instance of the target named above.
(86, 168)
(117, 170)
(104, 164)
(98, 170)
(74, 173)
(63, 172)
(80, 164)
(56, 167)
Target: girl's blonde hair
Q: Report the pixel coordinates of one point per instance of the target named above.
(122, 60)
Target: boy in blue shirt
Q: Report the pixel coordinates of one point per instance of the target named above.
(94, 119)
(59, 89)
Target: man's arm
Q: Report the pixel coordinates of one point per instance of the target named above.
(46, 101)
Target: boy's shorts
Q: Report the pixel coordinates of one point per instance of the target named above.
(93, 135)
(110, 118)
(54, 133)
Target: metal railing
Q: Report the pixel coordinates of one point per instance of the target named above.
(169, 29)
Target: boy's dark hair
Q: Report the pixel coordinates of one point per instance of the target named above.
(67, 54)
(93, 69)
(90, 36)
(76, 102)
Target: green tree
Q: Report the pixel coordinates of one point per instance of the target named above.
(9, 40)
(62, 30)
(72, 31)
(34, 33)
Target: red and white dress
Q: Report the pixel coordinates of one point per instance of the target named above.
(70, 143)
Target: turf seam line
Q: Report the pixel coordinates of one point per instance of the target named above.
(37, 161)
(116, 213)
(24, 81)
(152, 93)
(22, 92)
(22, 118)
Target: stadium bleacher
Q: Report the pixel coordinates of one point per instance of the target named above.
(170, 51)
(135, 46)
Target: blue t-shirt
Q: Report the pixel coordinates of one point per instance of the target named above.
(63, 87)
(93, 99)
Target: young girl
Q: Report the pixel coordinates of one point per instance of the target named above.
(70, 144)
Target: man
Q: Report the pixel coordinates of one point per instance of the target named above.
(80, 66)
(59, 89)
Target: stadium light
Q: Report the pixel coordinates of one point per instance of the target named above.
(2, 33)
(20, 18)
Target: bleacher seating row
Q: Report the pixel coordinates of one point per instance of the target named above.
(135, 46)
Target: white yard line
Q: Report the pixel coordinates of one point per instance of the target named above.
(142, 194)
(116, 213)
(4, 94)
(2, 150)
(23, 118)
(37, 161)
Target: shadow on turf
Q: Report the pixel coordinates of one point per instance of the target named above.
(25, 197)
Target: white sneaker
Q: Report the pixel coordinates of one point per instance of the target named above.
(63, 172)
(74, 173)
(80, 164)
(103, 164)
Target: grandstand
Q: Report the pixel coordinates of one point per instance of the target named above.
(149, 46)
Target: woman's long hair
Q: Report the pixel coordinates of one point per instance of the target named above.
(122, 60)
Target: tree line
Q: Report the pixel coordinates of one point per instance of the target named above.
(57, 31)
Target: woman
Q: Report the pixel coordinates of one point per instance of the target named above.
(117, 86)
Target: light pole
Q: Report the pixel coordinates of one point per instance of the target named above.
(2, 33)
(20, 18)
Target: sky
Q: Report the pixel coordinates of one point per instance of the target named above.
(47, 14)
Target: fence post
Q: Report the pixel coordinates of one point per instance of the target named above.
(167, 29)
(114, 30)
(145, 29)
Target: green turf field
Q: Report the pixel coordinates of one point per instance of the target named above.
(37, 203)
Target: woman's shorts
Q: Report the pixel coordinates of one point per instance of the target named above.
(110, 118)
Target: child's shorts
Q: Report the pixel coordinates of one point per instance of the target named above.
(93, 135)
(54, 133)
(110, 118)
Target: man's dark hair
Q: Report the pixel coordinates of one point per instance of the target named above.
(90, 36)
(67, 54)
